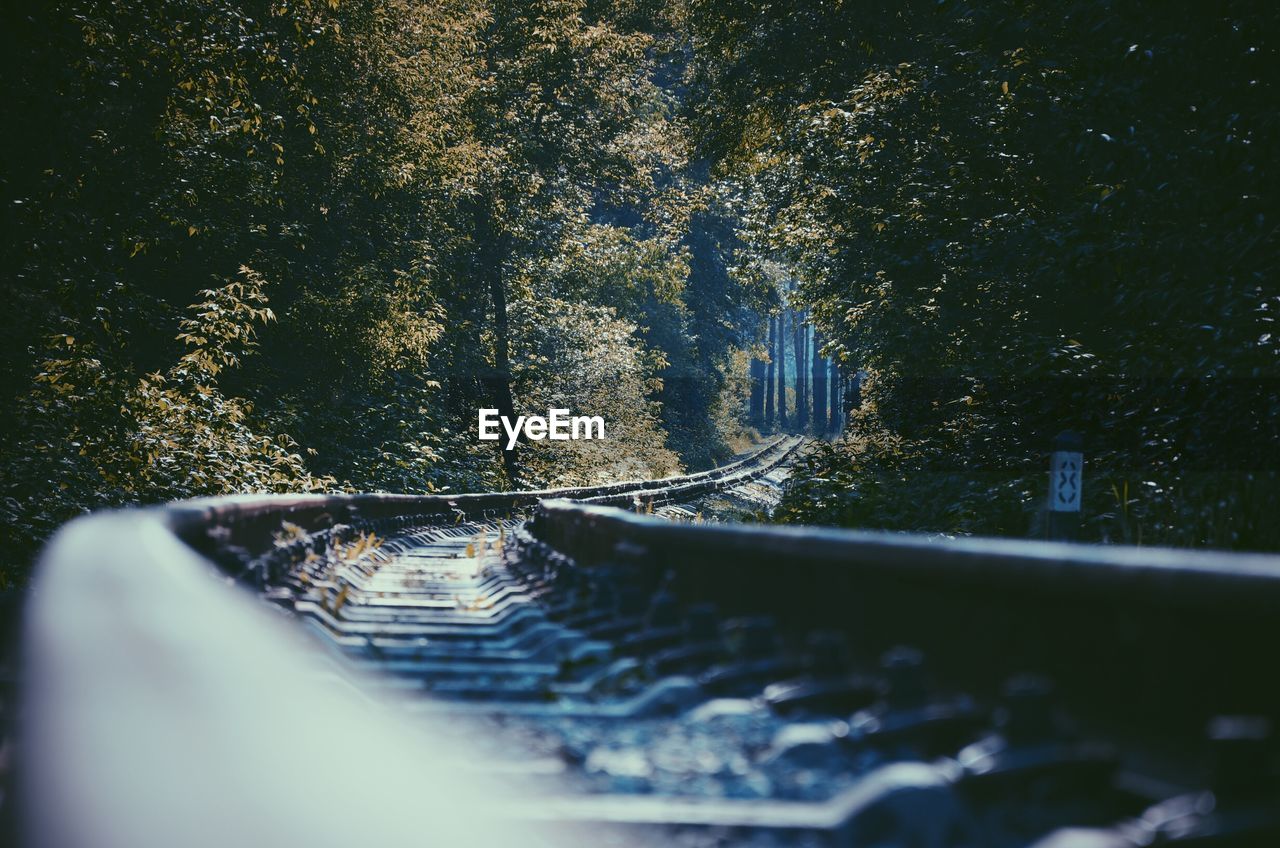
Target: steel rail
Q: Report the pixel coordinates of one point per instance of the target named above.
(161, 695)
(247, 524)
(1160, 638)
(167, 707)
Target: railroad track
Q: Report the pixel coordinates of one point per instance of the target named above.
(611, 665)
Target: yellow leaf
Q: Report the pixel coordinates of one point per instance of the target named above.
(1004, 87)
(192, 231)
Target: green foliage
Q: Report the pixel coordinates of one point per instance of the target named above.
(402, 173)
(1016, 218)
(93, 435)
(1021, 219)
(585, 359)
(604, 263)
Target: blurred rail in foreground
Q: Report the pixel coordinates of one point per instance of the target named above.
(611, 666)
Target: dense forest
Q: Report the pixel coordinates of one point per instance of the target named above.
(294, 245)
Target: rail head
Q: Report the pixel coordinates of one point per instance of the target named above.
(1164, 639)
(235, 530)
(1118, 574)
(192, 517)
(167, 707)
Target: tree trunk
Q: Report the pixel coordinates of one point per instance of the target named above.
(782, 369)
(502, 362)
(836, 418)
(800, 333)
(819, 386)
(768, 379)
(494, 249)
(755, 410)
(802, 364)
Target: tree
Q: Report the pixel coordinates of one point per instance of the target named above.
(401, 177)
(800, 333)
(979, 201)
(836, 382)
(819, 386)
(781, 356)
(755, 412)
(598, 371)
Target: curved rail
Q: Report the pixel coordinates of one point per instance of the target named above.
(166, 707)
(235, 531)
(148, 664)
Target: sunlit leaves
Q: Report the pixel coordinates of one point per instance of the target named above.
(587, 360)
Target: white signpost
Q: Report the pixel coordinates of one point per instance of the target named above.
(1064, 491)
(1066, 480)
